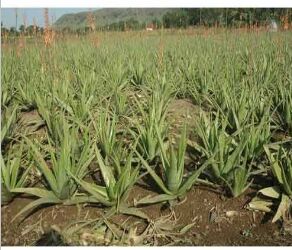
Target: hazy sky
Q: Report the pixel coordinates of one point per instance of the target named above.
(8, 15)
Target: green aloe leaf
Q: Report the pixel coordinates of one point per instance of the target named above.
(133, 211)
(106, 171)
(155, 199)
(43, 166)
(194, 176)
(98, 192)
(156, 178)
(39, 192)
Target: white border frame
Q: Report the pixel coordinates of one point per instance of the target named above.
(145, 4)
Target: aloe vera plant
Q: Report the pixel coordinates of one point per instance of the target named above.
(116, 186)
(25, 95)
(172, 183)
(230, 166)
(153, 120)
(283, 103)
(7, 95)
(52, 118)
(8, 124)
(13, 174)
(70, 155)
(77, 105)
(138, 74)
(120, 105)
(238, 180)
(281, 194)
(239, 111)
(106, 134)
(257, 135)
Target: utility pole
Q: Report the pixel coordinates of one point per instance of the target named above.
(249, 18)
(226, 18)
(16, 19)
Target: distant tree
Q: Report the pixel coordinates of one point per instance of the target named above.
(87, 29)
(41, 30)
(184, 17)
(4, 31)
(13, 31)
(132, 24)
(21, 28)
(81, 31)
(31, 29)
(157, 23)
(67, 30)
(231, 17)
(176, 19)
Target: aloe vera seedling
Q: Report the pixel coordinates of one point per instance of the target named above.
(146, 134)
(257, 136)
(279, 195)
(13, 174)
(230, 166)
(72, 154)
(283, 104)
(8, 121)
(172, 183)
(117, 186)
(52, 118)
(106, 134)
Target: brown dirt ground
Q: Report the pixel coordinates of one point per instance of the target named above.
(180, 111)
(245, 228)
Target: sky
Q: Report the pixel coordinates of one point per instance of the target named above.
(8, 15)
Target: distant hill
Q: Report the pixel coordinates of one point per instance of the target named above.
(105, 17)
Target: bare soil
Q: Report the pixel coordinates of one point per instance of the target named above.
(218, 220)
(182, 111)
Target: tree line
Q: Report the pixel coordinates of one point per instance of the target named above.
(224, 17)
(179, 18)
(235, 17)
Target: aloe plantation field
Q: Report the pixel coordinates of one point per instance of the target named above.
(147, 138)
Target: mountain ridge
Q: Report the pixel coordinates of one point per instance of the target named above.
(108, 16)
